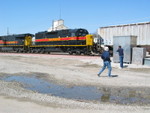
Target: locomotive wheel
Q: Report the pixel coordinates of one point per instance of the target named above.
(70, 52)
(85, 53)
(37, 51)
(78, 52)
(18, 51)
(32, 51)
(42, 52)
(29, 51)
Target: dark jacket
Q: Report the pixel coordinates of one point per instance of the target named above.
(106, 56)
(120, 51)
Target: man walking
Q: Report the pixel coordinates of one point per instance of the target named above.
(121, 56)
(106, 62)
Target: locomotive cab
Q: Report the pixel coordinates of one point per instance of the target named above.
(28, 40)
(81, 32)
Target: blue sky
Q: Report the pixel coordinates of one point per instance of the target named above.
(31, 16)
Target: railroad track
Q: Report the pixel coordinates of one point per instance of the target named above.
(58, 54)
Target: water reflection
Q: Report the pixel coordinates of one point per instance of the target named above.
(101, 94)
(106, 95)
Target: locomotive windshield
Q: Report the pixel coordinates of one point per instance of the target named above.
(81, 32)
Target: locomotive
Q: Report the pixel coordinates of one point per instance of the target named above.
(72, 41)
(18, 43)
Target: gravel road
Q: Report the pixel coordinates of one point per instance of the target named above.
(69, 71)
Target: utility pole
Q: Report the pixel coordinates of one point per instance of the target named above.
(53, 25)
(7, 30)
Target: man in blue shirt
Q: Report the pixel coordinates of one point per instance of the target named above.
(106, 62)
(121, 56)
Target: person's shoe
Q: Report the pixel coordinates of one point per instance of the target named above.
(110, 76)
(98, 75)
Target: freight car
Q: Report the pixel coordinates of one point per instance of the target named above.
(73, 41)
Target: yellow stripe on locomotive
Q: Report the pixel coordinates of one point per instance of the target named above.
(89, 40)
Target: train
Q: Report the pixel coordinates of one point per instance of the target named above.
(72, 41)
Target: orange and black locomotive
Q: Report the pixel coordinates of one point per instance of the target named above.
(73, 41)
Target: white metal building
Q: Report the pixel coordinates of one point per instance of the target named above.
(141, 30)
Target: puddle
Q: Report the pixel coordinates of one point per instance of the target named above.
(99, 94)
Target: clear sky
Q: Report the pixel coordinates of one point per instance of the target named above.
(31, 16)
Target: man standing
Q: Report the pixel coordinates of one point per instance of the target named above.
(106, 62)
(121, 56)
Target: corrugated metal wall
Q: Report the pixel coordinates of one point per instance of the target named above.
(141, 30)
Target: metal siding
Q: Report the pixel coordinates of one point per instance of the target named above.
(138, 55)
(147, 61)
(127, 42)
(141, 30)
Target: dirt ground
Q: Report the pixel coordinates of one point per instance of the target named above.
(68, 70)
